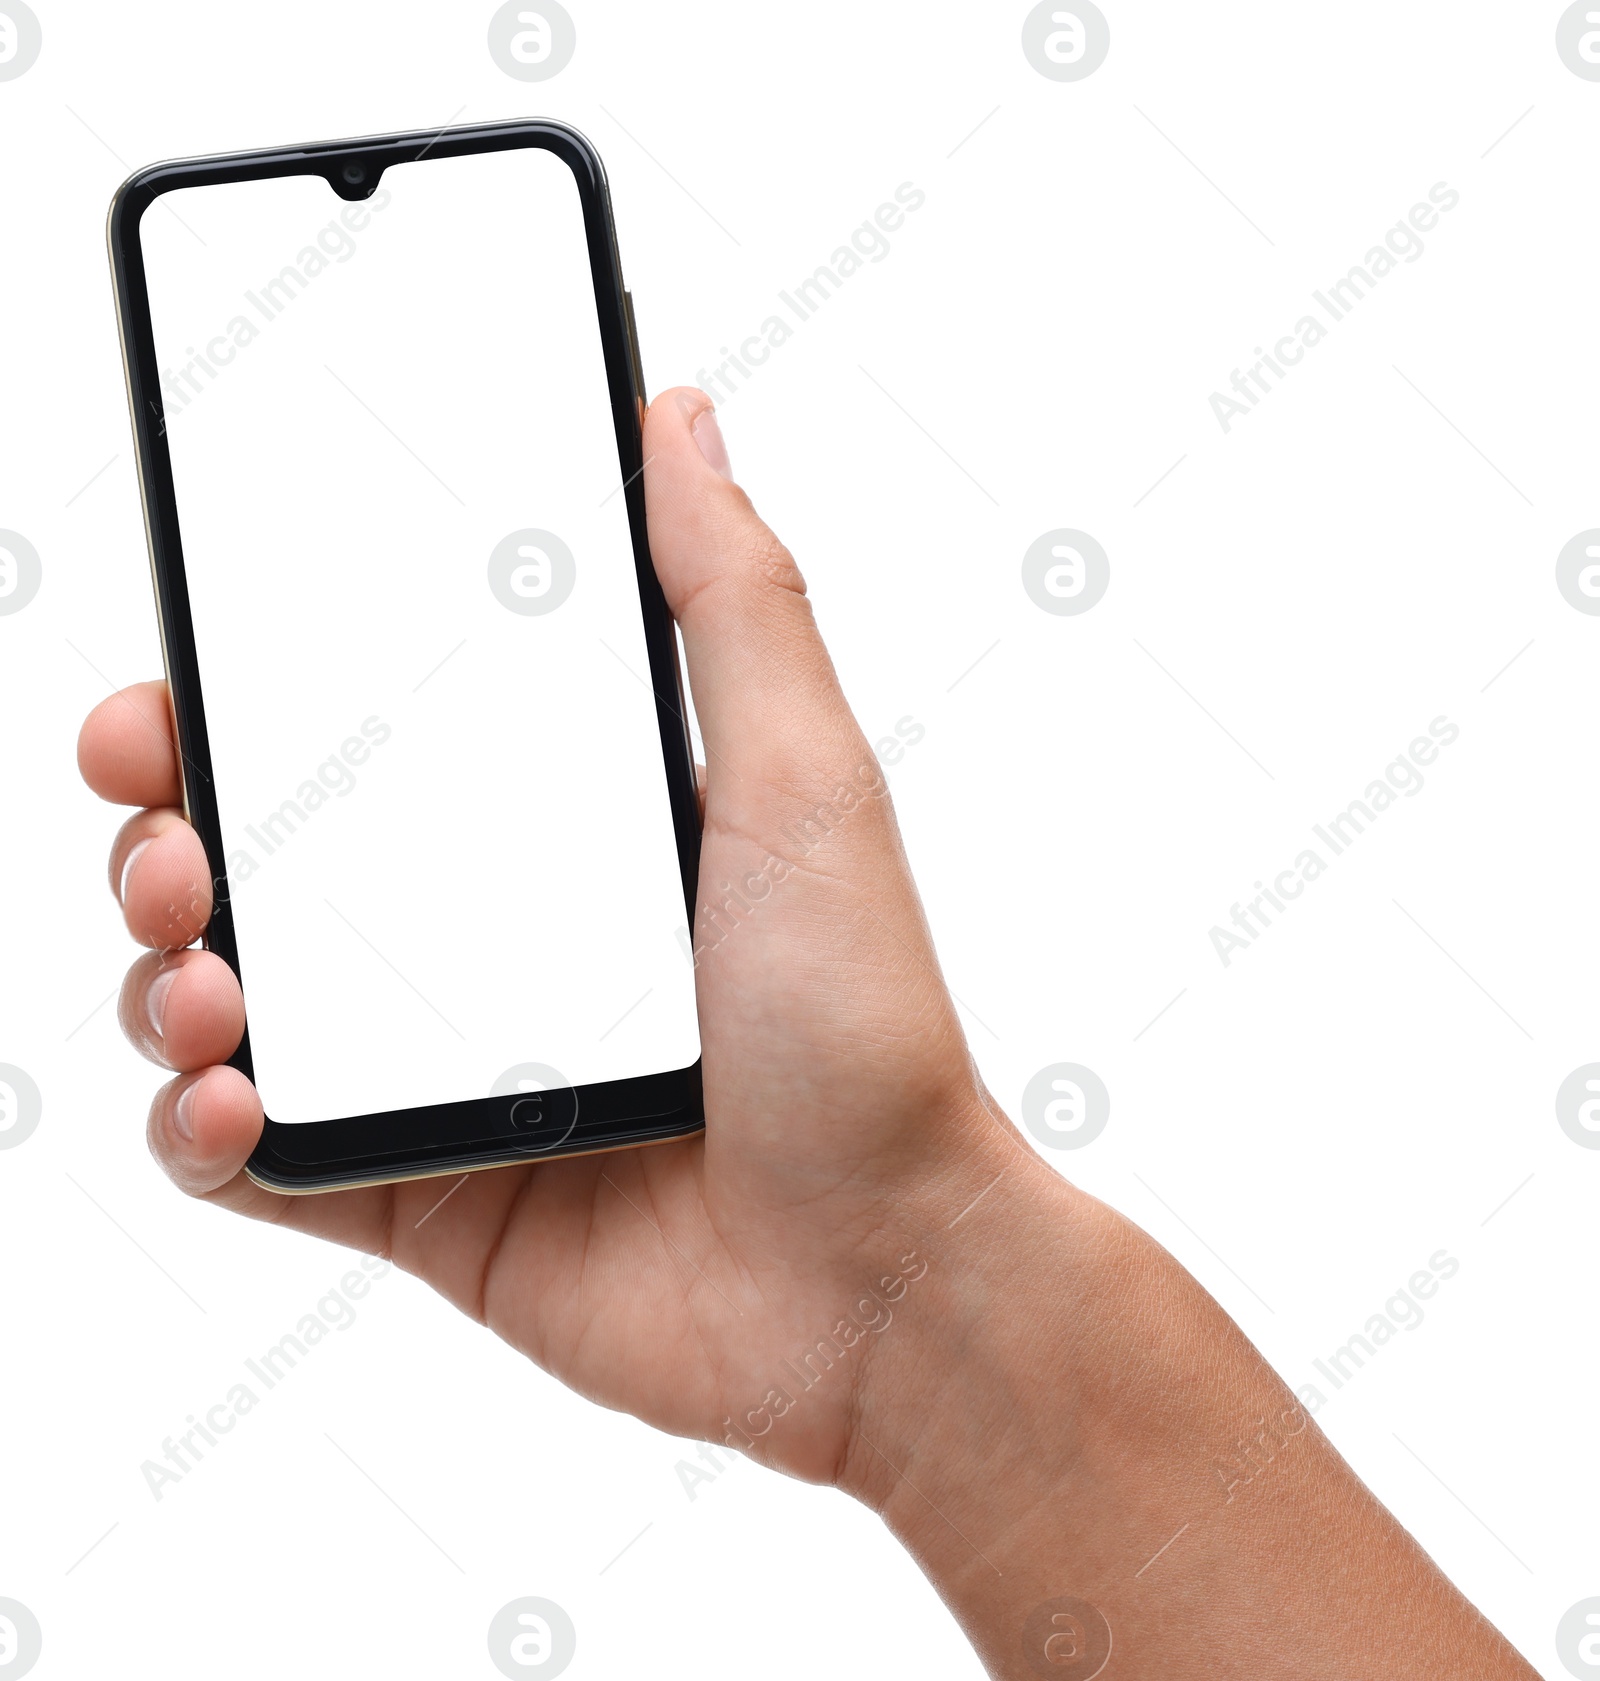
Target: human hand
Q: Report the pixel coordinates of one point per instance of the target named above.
(1043, 1426)
(672, 1281)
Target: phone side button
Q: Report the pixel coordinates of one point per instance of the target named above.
(633, 344)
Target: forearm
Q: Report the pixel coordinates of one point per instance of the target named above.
(1079, 1447)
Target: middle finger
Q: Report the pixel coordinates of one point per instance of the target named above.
(159, 874)
(183, 1009)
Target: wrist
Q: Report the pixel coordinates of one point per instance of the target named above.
(1080, 1448)
(979, 1393)
(1046, 1412)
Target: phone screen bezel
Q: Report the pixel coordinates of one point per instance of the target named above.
(474, 1132)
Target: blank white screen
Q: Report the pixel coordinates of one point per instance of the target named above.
(449, 844)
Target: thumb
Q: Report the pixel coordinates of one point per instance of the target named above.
(765, 691)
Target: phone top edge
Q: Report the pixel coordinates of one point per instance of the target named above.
(166, 175)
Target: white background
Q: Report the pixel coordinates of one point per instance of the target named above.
(1304, 1128)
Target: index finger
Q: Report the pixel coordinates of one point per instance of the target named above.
(126, 751)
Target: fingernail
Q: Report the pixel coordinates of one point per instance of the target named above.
(708, 434)
(182, 1115)
(127, 869)
(155, 1001)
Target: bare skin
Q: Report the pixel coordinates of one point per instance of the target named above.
(1032, 1393)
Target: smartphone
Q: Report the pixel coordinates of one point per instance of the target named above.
(386, 399)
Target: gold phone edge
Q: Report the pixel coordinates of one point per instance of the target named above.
(482, 1167)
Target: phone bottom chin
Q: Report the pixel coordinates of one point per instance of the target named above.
(345, 1175)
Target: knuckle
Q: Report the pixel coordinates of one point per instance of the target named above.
(769, 561)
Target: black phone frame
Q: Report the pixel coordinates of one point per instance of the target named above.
(475, 1132)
